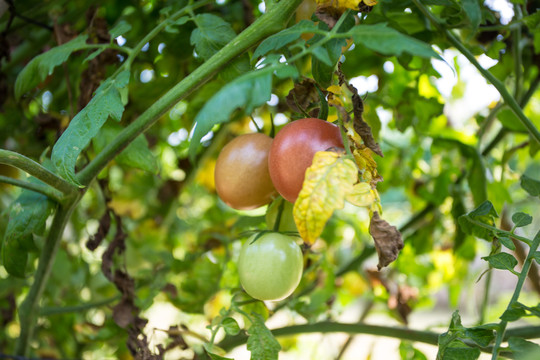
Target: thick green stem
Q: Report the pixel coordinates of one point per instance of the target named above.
(46, 190)
(271, 22)
(29, 309)
(507, 97)
(36, 170)
(77, 308)
(427, 337)
(521, 280)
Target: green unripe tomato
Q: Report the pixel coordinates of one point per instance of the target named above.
(271, 267)
(286, 222)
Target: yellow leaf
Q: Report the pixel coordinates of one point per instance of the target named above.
(368, 167)
(328, 181)
(333, 101)
(334, 89)
(362, 195)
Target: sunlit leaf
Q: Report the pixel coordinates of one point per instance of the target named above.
(362, 195)
(327, 182)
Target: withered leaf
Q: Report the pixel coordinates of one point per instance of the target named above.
(388, 241)
(360, 126)
(104, 225)
(328, 14)
(303, 94)
(124, 313)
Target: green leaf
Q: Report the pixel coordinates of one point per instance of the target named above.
(507, 242)
(283, 38)
(27, 216)
(408, 352)
(94, 55)
(473, 11)
(230, 326)
(261, 343)
(322, 54)
(530, 185)
(86, 124)
(322, 66)
(523, 349)
(502, 261)
(43, 65)
(120, 29)
(476, 174)
(521, 219)
(212, 33)
(513, 314)
(388, 41)
(217, 357)
(482, 337)
(460, 351)
(137, 154)
(211, 350)
(247, 91)
(536, 256)
(472, 222)
(532, 21)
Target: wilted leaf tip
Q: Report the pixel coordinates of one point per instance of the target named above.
(388, 241)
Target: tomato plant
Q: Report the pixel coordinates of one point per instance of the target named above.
(270, 266)
(111, 231)
(293, 149)
(241, 173)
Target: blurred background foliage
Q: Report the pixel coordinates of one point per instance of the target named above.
(444, 154)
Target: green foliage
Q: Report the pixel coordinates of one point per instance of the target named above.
(106, 103)
(261, 343)
(388, 41)
(27, 217)
(43, 65)
(136, 155)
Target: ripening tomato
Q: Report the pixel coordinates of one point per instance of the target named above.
(293, 149)
(270, 268)
(241, 173)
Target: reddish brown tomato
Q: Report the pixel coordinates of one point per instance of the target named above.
(241, 173)
(293, 149)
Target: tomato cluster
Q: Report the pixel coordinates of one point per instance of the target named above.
(250, 171)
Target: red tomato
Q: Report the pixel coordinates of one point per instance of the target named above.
(293, 149)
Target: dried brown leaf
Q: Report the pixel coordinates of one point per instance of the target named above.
(388, 241)
(328, 14)
(303, 94)
(360, 126)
